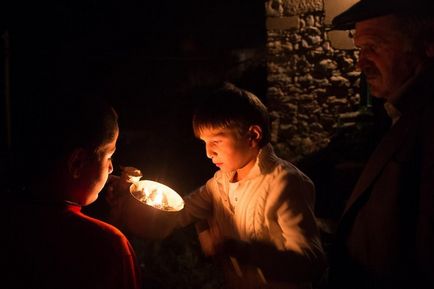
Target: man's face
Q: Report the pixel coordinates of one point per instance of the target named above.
(385, 55)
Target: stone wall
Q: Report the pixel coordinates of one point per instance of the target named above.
(292, 7)
(313, 89)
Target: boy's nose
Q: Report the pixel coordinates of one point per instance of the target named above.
(209, 152)
(110, 168)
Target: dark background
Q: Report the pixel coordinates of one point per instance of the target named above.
(151, 59)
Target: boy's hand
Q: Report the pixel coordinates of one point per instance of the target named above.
(207, 243)
(119, 187)
(115, 189)
(210, 238)
(117, 192)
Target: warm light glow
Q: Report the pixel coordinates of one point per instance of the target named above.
(157, 195)
(155, 198)
(158, 199)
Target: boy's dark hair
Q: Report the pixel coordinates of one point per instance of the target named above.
(55, 127)
(230, 106)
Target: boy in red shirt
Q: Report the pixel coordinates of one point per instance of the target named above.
(51, 244)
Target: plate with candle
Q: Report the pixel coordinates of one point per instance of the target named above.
(157, 195)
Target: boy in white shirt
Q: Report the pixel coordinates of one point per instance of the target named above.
(258, 209)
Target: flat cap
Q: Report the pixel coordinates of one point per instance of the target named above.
(367, 9)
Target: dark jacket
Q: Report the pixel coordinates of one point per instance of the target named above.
(386, 235)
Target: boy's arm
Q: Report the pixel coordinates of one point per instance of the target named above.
(198, 205)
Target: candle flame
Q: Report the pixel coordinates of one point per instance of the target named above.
(158, 198)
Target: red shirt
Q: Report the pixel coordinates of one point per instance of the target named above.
(57, 246)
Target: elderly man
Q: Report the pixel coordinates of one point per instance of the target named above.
(386, 235)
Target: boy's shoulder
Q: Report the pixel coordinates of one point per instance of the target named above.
(269, 162)
(290, 170)
(96, 228)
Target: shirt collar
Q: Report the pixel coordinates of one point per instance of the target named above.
(393, 113)
(397, 102)
(264, 163)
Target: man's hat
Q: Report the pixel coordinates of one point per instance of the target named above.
(366, 9)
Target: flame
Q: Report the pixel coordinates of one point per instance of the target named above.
(156, 195)
(158, 198)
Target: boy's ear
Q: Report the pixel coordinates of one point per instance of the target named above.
(76, 162)
(255, 134)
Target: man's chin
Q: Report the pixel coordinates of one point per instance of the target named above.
(376, 92)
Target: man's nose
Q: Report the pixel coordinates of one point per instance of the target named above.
(363, 59)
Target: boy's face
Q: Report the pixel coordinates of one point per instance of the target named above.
(95, 172)
(229, 150)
